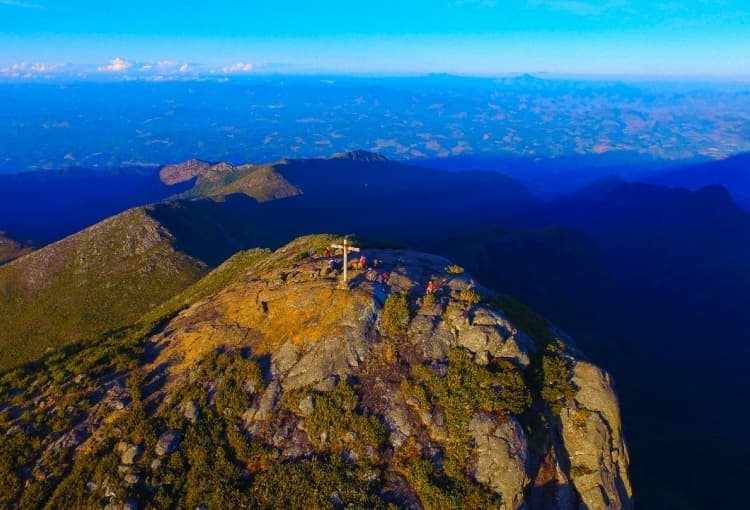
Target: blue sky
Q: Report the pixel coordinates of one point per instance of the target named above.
(671, 38)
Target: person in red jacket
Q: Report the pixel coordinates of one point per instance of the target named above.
(430, 287)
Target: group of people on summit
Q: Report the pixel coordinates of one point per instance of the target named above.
(333, 266)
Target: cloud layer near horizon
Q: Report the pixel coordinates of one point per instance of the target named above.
(124, 68)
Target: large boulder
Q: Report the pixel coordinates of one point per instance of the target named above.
(502, 457)
(131, 454)
(168, 442)
(592, 436)
(192, 411)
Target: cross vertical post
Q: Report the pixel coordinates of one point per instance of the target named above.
(346, 260)
(346, 247)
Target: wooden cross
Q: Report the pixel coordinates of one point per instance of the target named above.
(346, 247)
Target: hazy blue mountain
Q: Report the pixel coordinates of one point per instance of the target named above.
(732, 173)
(549, 177)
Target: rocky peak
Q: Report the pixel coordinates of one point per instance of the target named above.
(317, 336)
(181, 172)
(364, 394)
(360, 155)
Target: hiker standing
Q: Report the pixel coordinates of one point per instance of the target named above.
(430, 287)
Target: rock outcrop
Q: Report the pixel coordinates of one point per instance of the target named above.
(315, 334)
(284, 366)
(592, 435)
(261, 182)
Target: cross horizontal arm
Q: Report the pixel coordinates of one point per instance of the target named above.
(348, 248)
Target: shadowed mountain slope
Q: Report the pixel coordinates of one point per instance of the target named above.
(654, 282)
(99, 279)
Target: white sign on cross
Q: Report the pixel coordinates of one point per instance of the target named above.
(346, 247)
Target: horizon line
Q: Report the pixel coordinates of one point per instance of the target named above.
(99, 77)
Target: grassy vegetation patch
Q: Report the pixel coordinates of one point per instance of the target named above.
(439, 492)
(395, 317)
(557, 378)
(321, 482)
(466, 389)
(454, 269)
(336, 424)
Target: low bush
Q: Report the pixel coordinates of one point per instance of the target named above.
(438, 492)
(557, 378)
(320, 482)
(428, 300)
(336, 424)
(467, 388)
(395, 318)
(470, 296)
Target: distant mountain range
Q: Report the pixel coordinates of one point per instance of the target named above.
(264, 118)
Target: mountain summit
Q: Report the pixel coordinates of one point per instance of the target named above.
(360, 155)
(269, 385)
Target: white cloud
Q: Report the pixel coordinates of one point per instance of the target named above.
(239, 67)
(44, 68)
(116, 65)
(184, 68)
(28, 70)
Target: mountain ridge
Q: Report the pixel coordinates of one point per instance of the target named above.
(99, 279)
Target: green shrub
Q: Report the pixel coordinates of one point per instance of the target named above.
(428, 300)
(439, 492)
(237, 371)
(468, 388)
(513, 394)
(557, 375)
(320, 482)
(470, 296)
(335, 416)
(395, 318)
